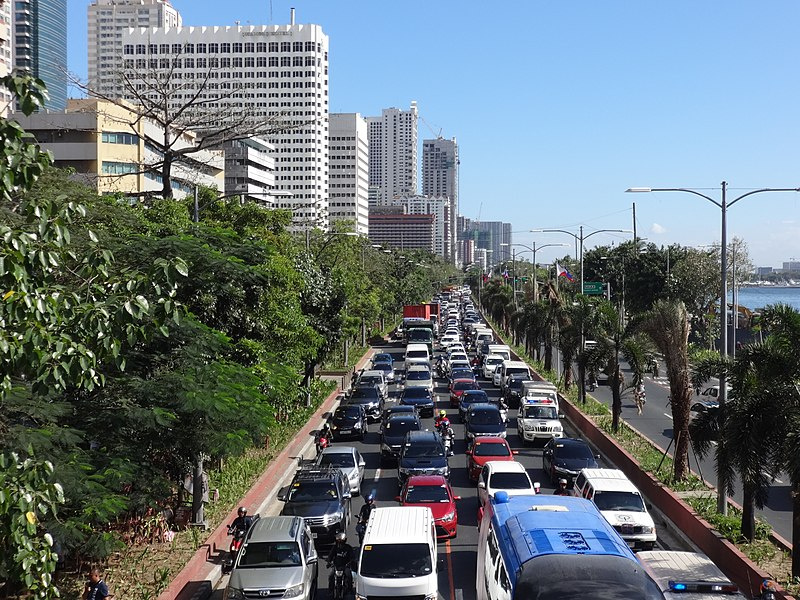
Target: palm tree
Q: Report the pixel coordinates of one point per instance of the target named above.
(667, 324)
(639, 353)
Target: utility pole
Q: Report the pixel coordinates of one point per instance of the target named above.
(634, 224)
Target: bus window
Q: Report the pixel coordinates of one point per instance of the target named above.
(493, 549)
(504, 582)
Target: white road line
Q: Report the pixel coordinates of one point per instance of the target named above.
(377, 474)
(668, 416)
(459, 594)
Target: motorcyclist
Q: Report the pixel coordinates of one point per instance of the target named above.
(440, 366)
(341, 556)
(440, 421)
(363, 516)
(562, 490)
(448, 436)
(242, 522)
(768, 590)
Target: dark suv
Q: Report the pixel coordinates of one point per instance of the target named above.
(422, 453)
(369, 396)
(322, 497)
(394, 433)
(483, 419)
(349, 420)
(514, 389)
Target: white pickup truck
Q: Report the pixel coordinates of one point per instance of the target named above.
(538, 419)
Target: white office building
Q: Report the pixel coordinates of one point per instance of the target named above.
(349, 170)
(440, 178)
(265, 73)
(250, 170)
(393, 153)
(439, 207)
(108, 21)
(6, 54)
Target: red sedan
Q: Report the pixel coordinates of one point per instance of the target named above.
(457, 388)
(435, 492)
(484, 449)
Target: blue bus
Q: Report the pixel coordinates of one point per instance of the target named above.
(554, 547)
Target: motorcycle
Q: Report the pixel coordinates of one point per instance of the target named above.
(447, 436)
(440, 370)
(339, 583)
(361, 529)
(321, 441)
(236, 543)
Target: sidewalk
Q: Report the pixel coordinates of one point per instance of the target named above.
(203, 572)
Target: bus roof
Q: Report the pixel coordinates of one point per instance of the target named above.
(538, 525)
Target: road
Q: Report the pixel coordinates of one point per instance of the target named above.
(655, 422)
(457, 557)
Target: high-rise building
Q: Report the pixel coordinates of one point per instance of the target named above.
(439, 207)
(440, 178)
(6, 45)
(40, 45)
(250, 170)
(268, 75)
(108, 19)
(392, 226)
(393, 153)
(494, 236)
(349, 170)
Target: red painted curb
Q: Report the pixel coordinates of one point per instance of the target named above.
(198, 577)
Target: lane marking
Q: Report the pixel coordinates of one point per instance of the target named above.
(459, 594)
(450, 570)
(377, 474)
(668, 416)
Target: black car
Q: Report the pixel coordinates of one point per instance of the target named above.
(393, 434)
(470, 397)
(483, 419)
(563, 458)
(420, 398)
(396, 409)
(322, 497)
(349, 421)
(513, 389)
(423, 453)
(369, 396)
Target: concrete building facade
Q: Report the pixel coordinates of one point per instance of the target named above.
(349, 170)
(393, 153)
(391, 226)
(6, 54)
(40, 45)
(439, 207)
(274, 74)
(440, 165)
(108, 21)
(250, 170)
(493, 236)
(110, 148)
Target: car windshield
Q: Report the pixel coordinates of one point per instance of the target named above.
(627, 501)
(493, 361)
(365, 394)
(269, 554)
(382, 358)
(485, 417)
(465, 385)
(540, 412)
(418, 375)
(347, 412)
(370, 380)
(312, 491)
(459, 373)
(427, 494)
(573, 451)
(337, 459)
(510, 481)
(395, 560)
(400, 426)
(516, 383)
(416, 393)
(474, 398)
(424, 450)
(417, 354)
(382, 367)
(490, 449)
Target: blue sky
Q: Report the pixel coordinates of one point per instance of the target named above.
(558, 107)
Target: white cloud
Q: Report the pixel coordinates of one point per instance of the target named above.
(656, 228)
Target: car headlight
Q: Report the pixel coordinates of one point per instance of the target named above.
(648, 529)
(331, 519)
(294, 591)
(448, 518)
(558, 428)
(360, 597)
(235, 594)
(527, 426)
(335, 427)
(563, 470)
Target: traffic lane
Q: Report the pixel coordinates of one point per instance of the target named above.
(655, 422)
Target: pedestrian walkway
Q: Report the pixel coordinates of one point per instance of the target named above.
(204, 570)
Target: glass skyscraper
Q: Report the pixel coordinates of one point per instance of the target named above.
(40, 45)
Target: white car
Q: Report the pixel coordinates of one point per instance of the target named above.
(348, 460)
(457, 357)
(538, 420)
(507, 475)
(489, 364)
(497, 375)
(448, 339)
(459, 364)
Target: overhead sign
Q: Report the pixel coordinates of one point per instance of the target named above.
(593, 288)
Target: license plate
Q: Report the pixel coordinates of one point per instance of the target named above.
(313, 535)
(345, 431)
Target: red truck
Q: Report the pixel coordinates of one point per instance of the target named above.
(427, 310)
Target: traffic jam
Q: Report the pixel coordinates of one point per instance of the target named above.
(418, 470)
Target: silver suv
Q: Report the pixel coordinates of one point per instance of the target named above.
(277, 559)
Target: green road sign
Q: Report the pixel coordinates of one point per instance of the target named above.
(593, 288)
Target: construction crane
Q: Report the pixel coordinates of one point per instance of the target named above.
(438, 135)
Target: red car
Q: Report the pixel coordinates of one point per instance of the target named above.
(484, 449)
(434, 492)
(457, 388)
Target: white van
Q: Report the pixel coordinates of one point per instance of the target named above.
(500, 349)
(620, 503)
(398, 556)
(417, 353)
(538, 419)
(536, 390)
(512, 367)
(688, 575)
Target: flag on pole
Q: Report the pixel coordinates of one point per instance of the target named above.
(562, 272)
(505, 273)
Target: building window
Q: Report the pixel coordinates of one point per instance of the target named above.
(201, 63)
(152, 48)
(309, 46)
(141, 49)
(189, 48)
(237, 46)
(225, 62)
(249, 62)
(118, 168)
(286, 46)
(298, 46)
(213, 48)
(286, 61)
(163, 48)
(261, 46)
(297, 61)
(273, 61)
(176, 48)
(213, 63)
(201, 48)
(249, 47)
(120, 138)
(237, 62)
(273, 46)
(261, 61)
(189, 63)
(225, 47)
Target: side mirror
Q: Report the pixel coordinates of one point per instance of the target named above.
(515, 452)
(347, 495)
(456, 497)
(397, 499)
(361, 463)
(561, 416)
(283, 493)
(597, 456)
(312, 560)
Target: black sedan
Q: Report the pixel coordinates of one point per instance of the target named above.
(420, 398)
(470, 397)
(564, 458)
(368, 396)
(483, 419)
(393, 435)
(349, 421)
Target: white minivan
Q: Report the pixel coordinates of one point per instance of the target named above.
(417, 353)
(398, 556)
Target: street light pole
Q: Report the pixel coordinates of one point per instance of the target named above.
(533, 250)
(723, 205)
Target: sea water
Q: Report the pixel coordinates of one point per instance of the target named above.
(757, 297)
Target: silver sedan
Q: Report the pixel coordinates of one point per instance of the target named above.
(348, 460)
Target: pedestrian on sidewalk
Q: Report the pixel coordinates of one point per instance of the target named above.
(95, 588)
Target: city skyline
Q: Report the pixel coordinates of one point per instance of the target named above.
(559, 109)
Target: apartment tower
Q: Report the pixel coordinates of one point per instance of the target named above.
(349, 170)
(440, 178)
(40, 45)
(6, 62)
(393, 154)
(108, 20)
